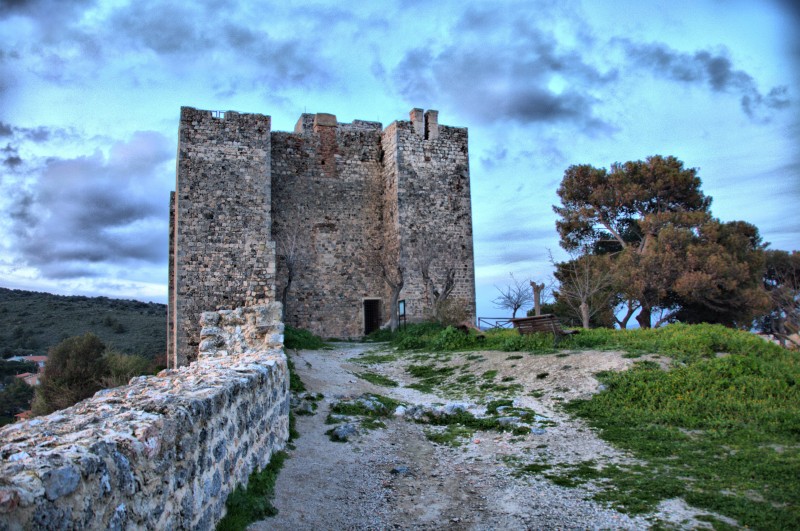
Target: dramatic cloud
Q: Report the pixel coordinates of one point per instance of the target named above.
(243, 47)
(703, 67)
(163, 39)
(526, 76)
(10, 156)
(94, 211)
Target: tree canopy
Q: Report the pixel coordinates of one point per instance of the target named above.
(666, 250)
(782, 283)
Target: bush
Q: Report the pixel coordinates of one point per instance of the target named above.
(301, 339)
(75, 370)
(382, 334)
(452, 312)
(452, 339)
(15, 398)
(122, 367)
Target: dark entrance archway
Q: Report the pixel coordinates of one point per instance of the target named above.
(372, 315)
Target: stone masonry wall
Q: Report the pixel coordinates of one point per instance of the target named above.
(337, 199)
(326, 197)
(434, 214)
(164, 451)
(224, 256)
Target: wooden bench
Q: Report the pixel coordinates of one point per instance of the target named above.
(547, 323)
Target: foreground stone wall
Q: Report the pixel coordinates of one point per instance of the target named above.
(164, 451)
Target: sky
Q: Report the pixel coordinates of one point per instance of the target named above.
(90, 94)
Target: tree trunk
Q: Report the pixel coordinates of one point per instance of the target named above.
(537, 298)
(585, 315)
(394, 318)
(285, 296)
(644, 317)
(623, 323)
(780, 330)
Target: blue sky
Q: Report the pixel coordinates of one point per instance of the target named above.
(90, 93)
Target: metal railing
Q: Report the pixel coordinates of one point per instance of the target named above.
(488, 323)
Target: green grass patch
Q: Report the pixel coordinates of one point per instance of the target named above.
(452, 435)
(532, 469)
(373, 359)
(372, 424)
(721, 433)
(379, 336)
(430, 376)
(368, 405)
(465, 419)
(491, 407)
(679, 341)
(248, 505)
(377, 379)
(299, 338)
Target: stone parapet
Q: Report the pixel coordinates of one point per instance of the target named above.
(164, 451)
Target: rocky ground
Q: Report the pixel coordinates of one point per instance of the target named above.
(396, 478)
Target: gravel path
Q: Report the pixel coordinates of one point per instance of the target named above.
(394, 478)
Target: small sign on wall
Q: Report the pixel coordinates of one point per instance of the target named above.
(401, 311)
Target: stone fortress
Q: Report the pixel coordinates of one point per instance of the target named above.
(324, 219)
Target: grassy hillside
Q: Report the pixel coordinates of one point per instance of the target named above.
(32, 322)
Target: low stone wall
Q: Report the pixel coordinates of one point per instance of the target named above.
(164, 451)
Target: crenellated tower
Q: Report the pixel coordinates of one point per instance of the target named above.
(313, 217)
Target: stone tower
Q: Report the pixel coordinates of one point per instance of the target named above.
(314, 218)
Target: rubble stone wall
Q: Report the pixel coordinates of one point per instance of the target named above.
(326, 199)
(164, 451)
(223, 254)
(430, 177)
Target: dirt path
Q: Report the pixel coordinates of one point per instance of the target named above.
(395, 478)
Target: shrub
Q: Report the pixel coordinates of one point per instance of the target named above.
(452, 312)
(122, 367)
(75, 370)
(299, 338)
(382, 334)
(15, 398)
(451, 339)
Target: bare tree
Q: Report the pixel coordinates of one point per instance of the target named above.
(585, 284)
(289, 249)
(389, 263)
(513, 296)
(436, 264)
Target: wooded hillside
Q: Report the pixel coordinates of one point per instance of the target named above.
(31, 322)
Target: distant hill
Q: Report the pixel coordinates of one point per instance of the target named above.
(31, 322)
